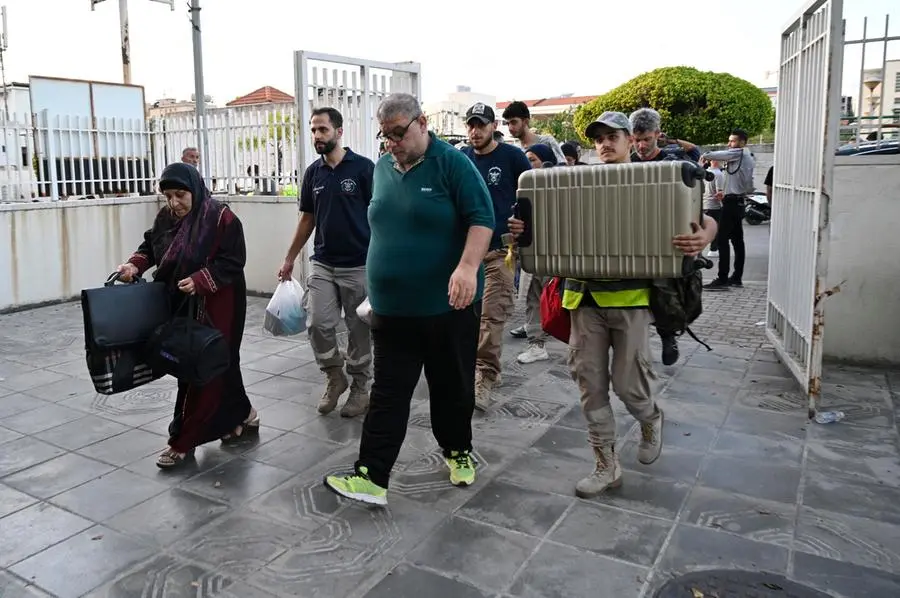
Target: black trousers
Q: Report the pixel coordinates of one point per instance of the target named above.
(716, 215)
(731, 229)
(445, 346)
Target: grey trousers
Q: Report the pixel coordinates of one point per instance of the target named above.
(331, 290)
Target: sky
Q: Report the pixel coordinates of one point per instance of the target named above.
(583, 47)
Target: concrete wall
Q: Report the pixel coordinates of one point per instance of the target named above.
(862, 322)
(51, 251)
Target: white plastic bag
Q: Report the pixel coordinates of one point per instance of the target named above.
(364, 311)
(285, 314)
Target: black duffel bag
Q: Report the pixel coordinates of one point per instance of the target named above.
(119, 319)
(190, 351)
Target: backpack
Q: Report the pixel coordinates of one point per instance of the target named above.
(677, 302)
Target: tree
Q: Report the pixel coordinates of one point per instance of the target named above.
(278, 131)
(700, 106)
(561, 126)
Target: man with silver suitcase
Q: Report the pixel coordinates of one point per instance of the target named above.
(616, 314)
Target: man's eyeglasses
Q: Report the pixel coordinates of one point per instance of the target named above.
(396, 135)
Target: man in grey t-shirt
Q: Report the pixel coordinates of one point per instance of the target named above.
(739, 164)
(518, 120)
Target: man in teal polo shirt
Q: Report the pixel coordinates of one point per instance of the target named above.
(431, 219)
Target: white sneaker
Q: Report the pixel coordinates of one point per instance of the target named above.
(712, 254)
(535, 352)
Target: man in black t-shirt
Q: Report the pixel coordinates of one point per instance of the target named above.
(651, 145)
(500, 165)
(334, 202)
(768, 184)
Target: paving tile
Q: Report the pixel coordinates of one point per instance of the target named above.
(515, 508)
(43, 418)
(753, 518)
(273, 364)
(702, 393)
(81, 563)
(81, 432)
(168, 576)
(12, 500)
(34, 529)
(239, 543)
(285, 388)
(760, 447)
(708, 378)
(108, 495)
(333, 428)
(630, 537)
(854, 437)
(125, 448)
(29, 452)
(693, 548)
(573, 419)
(716, 362)
(57, 475)
(561, 572)
(133, 408)
(66, 389)
(710, 416)
(287, 416)
(237, 481)
(489, 557)
(518, 421)
(206, 457)
(777, 483)
(547, 471)
(673, 463)
(7, 435)
(15, 587)
(856, 498)
(641, 493)
(8, 368)
(865, 542)
(167, 517)
(844, 579)
(874, 467)
(32, 379)
(15, 403)
(779, 425)
(406, 580)
(292, 451)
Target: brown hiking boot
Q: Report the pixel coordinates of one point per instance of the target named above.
(483, 387)
(358, 401)
(607, 474)
(651, 439)
(335, 387)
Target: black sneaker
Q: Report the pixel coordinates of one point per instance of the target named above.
(735, 282)
(719, 284)
(669, 350)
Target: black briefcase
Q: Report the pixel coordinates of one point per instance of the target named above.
(190, 351)
(119, 319)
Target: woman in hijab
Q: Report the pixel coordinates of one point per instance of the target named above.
(197, 245)
(540, 154)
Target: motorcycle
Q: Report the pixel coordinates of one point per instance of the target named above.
(757, 209)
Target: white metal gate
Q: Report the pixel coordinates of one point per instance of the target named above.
(809, 101)
(354, 87)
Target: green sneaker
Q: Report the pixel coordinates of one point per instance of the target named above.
(357, 486)
(462, 468)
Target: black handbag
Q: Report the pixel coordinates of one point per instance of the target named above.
(190, 351)
(119, 319)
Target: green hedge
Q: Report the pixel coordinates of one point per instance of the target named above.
(699, 106)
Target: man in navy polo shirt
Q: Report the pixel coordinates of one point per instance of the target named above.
(334, 201)
(500, 165)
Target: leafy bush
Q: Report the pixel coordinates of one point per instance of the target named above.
(700, 106)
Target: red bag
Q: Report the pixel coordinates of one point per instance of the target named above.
(555, 320)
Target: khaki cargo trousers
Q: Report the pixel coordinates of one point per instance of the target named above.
(496, 307)
(627, 331)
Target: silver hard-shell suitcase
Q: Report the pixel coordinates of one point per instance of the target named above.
(608, 220)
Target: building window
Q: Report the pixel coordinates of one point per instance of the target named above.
(897, 83)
